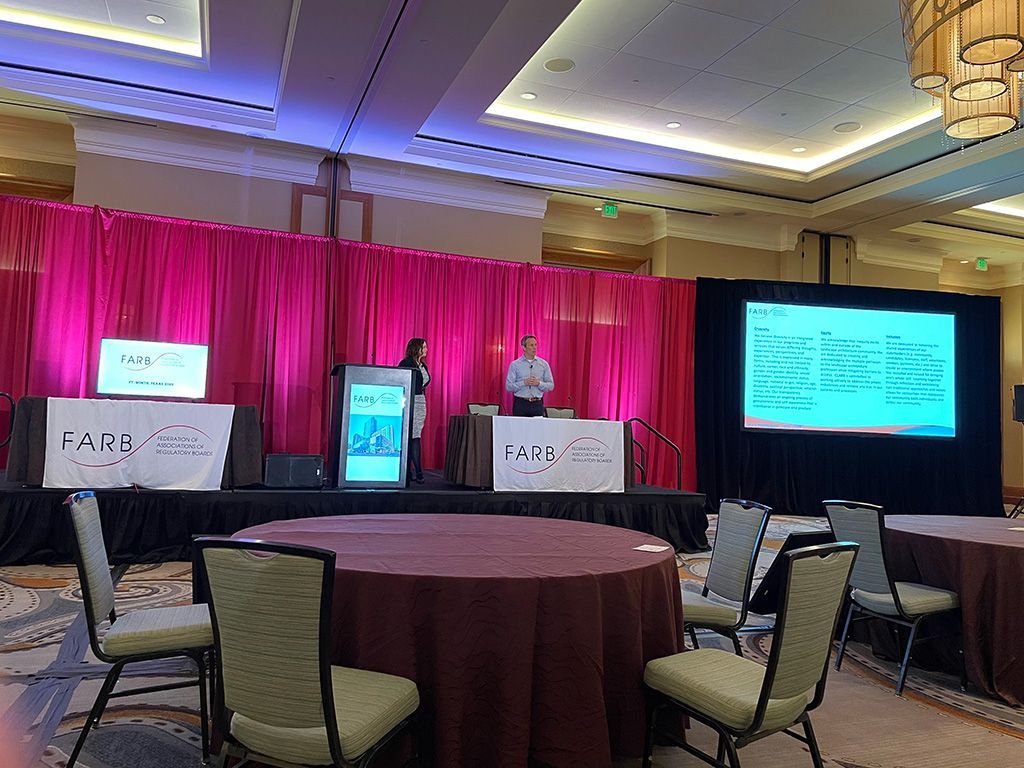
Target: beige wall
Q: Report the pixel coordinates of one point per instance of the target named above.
(447, 229)
(693, 258)
(862, 273)
(188, 193)
(1012, 373)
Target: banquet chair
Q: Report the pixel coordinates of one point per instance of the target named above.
(743, 701)
(873, 593)
(271, 608)
(142, 635)
(484, 409)
(741, 528)
(560, 412)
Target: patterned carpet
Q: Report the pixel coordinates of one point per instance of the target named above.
(49, 678)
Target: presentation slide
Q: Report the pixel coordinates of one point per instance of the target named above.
(838, 369)
(374, 450)
(152, 369)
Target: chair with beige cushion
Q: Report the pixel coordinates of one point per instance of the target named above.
(142, 635)
(873, 593)
(484, 409)
(560, 412)
(743, 701)
(738, 536)
(271, 606)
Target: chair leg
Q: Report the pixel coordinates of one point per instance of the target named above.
(842, 639)
(736, 643)
(693, 637)
(652, 713)
(812, 743)
(97, 710)
(204, 712)
(963, 667)
(720, 754)
(906, 658)
(734, 757)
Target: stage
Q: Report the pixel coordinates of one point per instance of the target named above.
(157, 526)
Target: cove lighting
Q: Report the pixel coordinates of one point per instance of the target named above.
(685, 143)
(102, 31)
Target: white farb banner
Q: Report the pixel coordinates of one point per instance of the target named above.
(120, 443)
(557, 455)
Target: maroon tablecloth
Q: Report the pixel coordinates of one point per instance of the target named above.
(526, 636)
(981, 559)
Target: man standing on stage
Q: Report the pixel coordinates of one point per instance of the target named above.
(529, 377)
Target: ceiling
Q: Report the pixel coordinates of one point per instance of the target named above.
(438, 84)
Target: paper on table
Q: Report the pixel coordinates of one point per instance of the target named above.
(650, 548)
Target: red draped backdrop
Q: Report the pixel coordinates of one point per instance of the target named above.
(278, 310)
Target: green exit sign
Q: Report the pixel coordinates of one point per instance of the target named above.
(610, 210)
(981, 265)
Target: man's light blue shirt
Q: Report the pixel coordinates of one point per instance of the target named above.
(522, 369)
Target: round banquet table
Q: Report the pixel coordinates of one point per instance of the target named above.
(527, 637)
(982, 560)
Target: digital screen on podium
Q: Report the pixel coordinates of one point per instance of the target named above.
(374, 450)
(809, 368)
(152, 369)
(370, 436)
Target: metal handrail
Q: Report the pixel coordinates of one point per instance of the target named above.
(10, 431)
(641, 462)
(673, 446)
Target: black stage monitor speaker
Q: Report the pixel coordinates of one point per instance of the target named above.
(1018, 402)
(290, 470)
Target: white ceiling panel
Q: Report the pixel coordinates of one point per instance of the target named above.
(600, 109)
(588, 58)
(548, 97)
(787, 112)
(85, 10)
(846, 22)
(851, 76)
(633, 78)
(871, 120)
(888, 41)
(181, 22)
(703, 129)
(690, 37)
(762, 11)
(901, 99)
(610, 23)
(775, 57)
(714, 96)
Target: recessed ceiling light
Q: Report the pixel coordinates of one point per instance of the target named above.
(673, 124)
(597, 208)
(154, 19)
(965, 261)
(850, 127)
(559, 65)
(798, 150)
(528, 95)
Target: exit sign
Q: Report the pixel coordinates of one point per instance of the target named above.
(610, 210)
(981, 265)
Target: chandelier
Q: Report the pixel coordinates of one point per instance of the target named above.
(969, 54)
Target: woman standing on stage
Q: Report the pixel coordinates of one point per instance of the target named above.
(416, 358)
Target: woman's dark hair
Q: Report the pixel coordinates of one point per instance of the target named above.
(414, 347)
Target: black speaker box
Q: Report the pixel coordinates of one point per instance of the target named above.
(290, 470)
(1018, 402)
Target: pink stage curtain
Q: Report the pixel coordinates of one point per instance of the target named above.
(278, 310)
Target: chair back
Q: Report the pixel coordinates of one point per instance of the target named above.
(816, 580)
(741, 528)
(560, 412)
(864, 524)
(484, 409)
(91, 560)
(271, 606)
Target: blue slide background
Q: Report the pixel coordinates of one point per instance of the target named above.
(841, 369)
